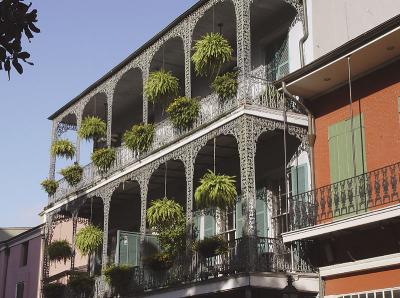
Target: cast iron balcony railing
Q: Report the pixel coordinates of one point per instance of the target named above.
(357, 195)
(211, 108)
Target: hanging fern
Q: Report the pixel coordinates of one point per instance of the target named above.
(211, 52)
(161, 83)
(63, 148)
(163, 213)
(88, 239)
(120, 278)
(59, 251)
(159, 262)
(50, 186)
(81, 284)
(139, 137)
(54, 290)
(226, 85)
(73, 174)
(92, 128)
(103, 158)
(216, 191)
(211, 246)
(183, 112)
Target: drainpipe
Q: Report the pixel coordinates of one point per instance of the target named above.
(305, 36)
(311, 131)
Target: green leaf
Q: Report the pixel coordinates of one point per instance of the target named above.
(183, 112)
(139, 137)
(92, 128)
(161, 84)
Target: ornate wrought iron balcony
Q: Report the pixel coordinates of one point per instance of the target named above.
(361, 194)
(258, 93)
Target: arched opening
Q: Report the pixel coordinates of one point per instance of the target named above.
(96, 106)
(226, 161)
(270, 23)
(170, 57)
(124, 224)
(221, 18)
(275, 180)
(127, 104)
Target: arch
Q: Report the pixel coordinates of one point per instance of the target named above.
(96, 106)
(171, 57)
(224, 13)
(127, 107)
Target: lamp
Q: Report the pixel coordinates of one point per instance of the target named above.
(290, 291)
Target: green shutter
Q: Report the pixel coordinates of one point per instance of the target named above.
(196, 223)
(239, 219)
(209, 226)
(261, 218)
(129, 248)
(299, 176)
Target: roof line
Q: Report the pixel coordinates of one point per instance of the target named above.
(342, 50)
(128, 59)
(21, 234)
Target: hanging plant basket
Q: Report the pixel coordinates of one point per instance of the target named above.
(217, 191)
(88, 239)
(212, 246)
(50, 186)
(54, 290)
(164, 213)
(139, 137)
(226, 85)
(120, 278)
(81, 283)
(183, 112)
(63, 148)
(159, 262)
(103, 158)
(92, 128)
(211, 52)
(161, 84)
(73, 174)
(59, 251)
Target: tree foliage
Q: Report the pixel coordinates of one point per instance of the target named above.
(15, 21)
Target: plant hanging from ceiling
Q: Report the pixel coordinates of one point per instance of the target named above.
(164, 212)
(92, 128)
(211, 52)
(63, 148)
(183, 112)
(88, 239)
(211, 246)
(59, 250)
(226, 85)
(120, 278)
(161, 84)
(103, 158)
(81, 284)
(54, 290)
(159, 262)
(73, 174)
(139, 137)
(50, 186)
(217, 191)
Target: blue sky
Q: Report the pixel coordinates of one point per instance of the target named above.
(80, 41)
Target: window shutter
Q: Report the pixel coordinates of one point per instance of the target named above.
(196, 224)
(129, 248)
(239, 219)
(209, 226)
(299, 176)
(261, 217)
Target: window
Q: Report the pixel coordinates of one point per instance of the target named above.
(19, 290)
(299, 179)
(386, 293)
(24, 253)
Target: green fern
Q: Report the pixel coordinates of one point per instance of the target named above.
(50, 186)
(226, 85)
(103, 158)
(211, 52)
(92, 128)
(63, 148)
(164, 213)
(88, 239)
(59, 250)
(139, 137)
(73, 174)
(183, 111)
(161, 83)
(216, 191)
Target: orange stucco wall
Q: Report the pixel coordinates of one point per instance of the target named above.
(361, 282)
(376, 96)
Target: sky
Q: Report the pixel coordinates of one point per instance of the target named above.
(79, 42)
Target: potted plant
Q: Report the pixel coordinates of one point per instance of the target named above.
(50, 186)
(226, 85)
(210, 52)
(139, 137)
(54, 290)
(92, 128)
(73, 174)
(211, 246)
(217, 191)
(63, 148)
(159, 262)
(59, 250)
(120, 278)
(81, 283)
(183, 111)
(88, 239)
(163, 213)
(103, 158)
(159, 84)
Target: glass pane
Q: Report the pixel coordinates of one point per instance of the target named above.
(396, 293)
(388, 294)
(371, 295)
(379, 295)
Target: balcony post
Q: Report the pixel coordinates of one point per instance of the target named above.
(188, 65)
(74, 228)
(109, 93)
(106, 206)
(145, 74)
(143, 182)
(78, 139)
(52, 167)
(189, 172)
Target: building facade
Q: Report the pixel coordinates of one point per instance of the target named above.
(277, 136)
